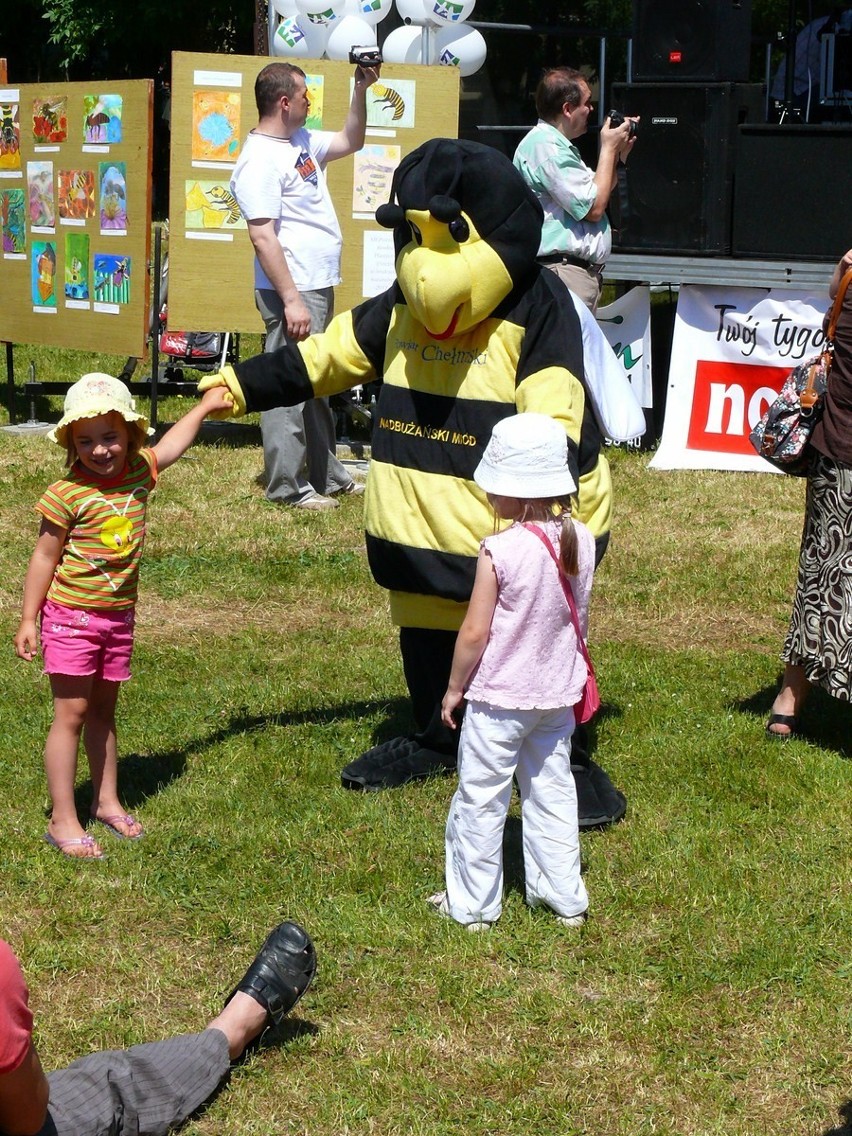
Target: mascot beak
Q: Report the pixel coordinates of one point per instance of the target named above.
(450, 277)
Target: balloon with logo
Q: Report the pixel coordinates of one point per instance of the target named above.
(349, 32)
(460, 47)
(318, 13)
(290, 41)
(404, 45)
(448, 11)
(372, 11)
(284, 8)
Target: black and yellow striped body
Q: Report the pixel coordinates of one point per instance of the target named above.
(438, 403)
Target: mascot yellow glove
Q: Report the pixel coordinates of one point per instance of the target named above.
(226, 378)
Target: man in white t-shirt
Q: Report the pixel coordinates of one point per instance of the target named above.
(279, 183)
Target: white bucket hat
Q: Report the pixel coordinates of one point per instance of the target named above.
(92, 395)
(527, 456)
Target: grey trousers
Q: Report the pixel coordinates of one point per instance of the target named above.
(299, 442)
(583, 282)
(142, 1091)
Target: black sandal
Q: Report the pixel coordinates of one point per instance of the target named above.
(282, 971)
(782, 720)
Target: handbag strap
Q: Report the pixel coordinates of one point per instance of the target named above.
(566, 588)
(838, 304)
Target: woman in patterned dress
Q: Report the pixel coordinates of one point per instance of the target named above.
(818, 647)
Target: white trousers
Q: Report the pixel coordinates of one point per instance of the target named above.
(495, 746)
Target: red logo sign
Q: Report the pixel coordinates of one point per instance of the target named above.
(728, 401)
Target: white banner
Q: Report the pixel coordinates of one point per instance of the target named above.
(732, 350)
(626, 323)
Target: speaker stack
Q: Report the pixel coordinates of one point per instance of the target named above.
(690, 70)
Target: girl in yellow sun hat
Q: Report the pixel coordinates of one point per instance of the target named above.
(82, 582)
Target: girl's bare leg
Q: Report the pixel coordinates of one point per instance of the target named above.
(102, 751)
(70, 706)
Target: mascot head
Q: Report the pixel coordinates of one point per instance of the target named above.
(466, 231)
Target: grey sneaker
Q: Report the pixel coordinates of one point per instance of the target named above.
(353, 489)
(438, 901)
(572, 920)
(316, 503)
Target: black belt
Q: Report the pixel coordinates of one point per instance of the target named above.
(566, 258)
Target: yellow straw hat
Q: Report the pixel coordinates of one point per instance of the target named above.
(93, 395)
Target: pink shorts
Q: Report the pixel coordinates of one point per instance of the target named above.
(76, 641)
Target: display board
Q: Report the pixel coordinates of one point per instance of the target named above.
(211, 273)
(75, 203)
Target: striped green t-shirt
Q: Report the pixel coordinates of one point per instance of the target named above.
(105, 523)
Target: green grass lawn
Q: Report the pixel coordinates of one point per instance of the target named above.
(709, 993)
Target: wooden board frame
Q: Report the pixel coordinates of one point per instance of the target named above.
(211, 275)
(108, 322)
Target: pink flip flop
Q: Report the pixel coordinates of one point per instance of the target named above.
(74, 842)
(109, 822)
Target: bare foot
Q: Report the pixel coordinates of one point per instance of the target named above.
(72, 841)
(241, 1021)
(121, 823)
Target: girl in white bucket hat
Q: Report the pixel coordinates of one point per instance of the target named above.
(519, 664)
(81, 585)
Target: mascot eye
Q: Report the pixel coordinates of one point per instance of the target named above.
(459, 230)
(415, 233)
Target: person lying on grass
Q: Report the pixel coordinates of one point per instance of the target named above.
(147, 1089)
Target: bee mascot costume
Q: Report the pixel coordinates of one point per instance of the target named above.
(471, 331)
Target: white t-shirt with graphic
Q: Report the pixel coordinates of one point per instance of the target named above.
(284, 179)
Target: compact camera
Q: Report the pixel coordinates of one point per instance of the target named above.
(365, 56)
(616, 118)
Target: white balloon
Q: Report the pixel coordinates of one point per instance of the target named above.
(371, 10)
(347, 33)
(460, 47)
(411, 10)
(448, 11)
(318, 13)
(289, 40)
(403, 45)
(284, 7)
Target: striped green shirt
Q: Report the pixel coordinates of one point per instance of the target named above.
(105, 523)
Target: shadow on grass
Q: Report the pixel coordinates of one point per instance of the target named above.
(824, 721)
(845, 1129)
(143, 775)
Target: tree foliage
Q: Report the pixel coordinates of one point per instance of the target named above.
(83, 39)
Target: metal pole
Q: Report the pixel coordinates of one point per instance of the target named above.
(155, 324)
(10, 381)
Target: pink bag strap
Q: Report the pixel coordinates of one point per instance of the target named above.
(566, 588)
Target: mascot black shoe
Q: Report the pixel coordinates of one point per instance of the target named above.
(471, 331)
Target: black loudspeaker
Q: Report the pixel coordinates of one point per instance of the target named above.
(691, 40)
(676, 194)
(792, 191)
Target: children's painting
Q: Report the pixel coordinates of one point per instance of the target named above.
(112, 278)
(43, 274)
(77, 266)
(40, 191)
(76, 195)
(373, 172)
(10, 137)
(391, 104)
(211, 205)
(102, 118)
(215, 126)
(316, 97)
(112, 179)
(50, 119)
(14, 220)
